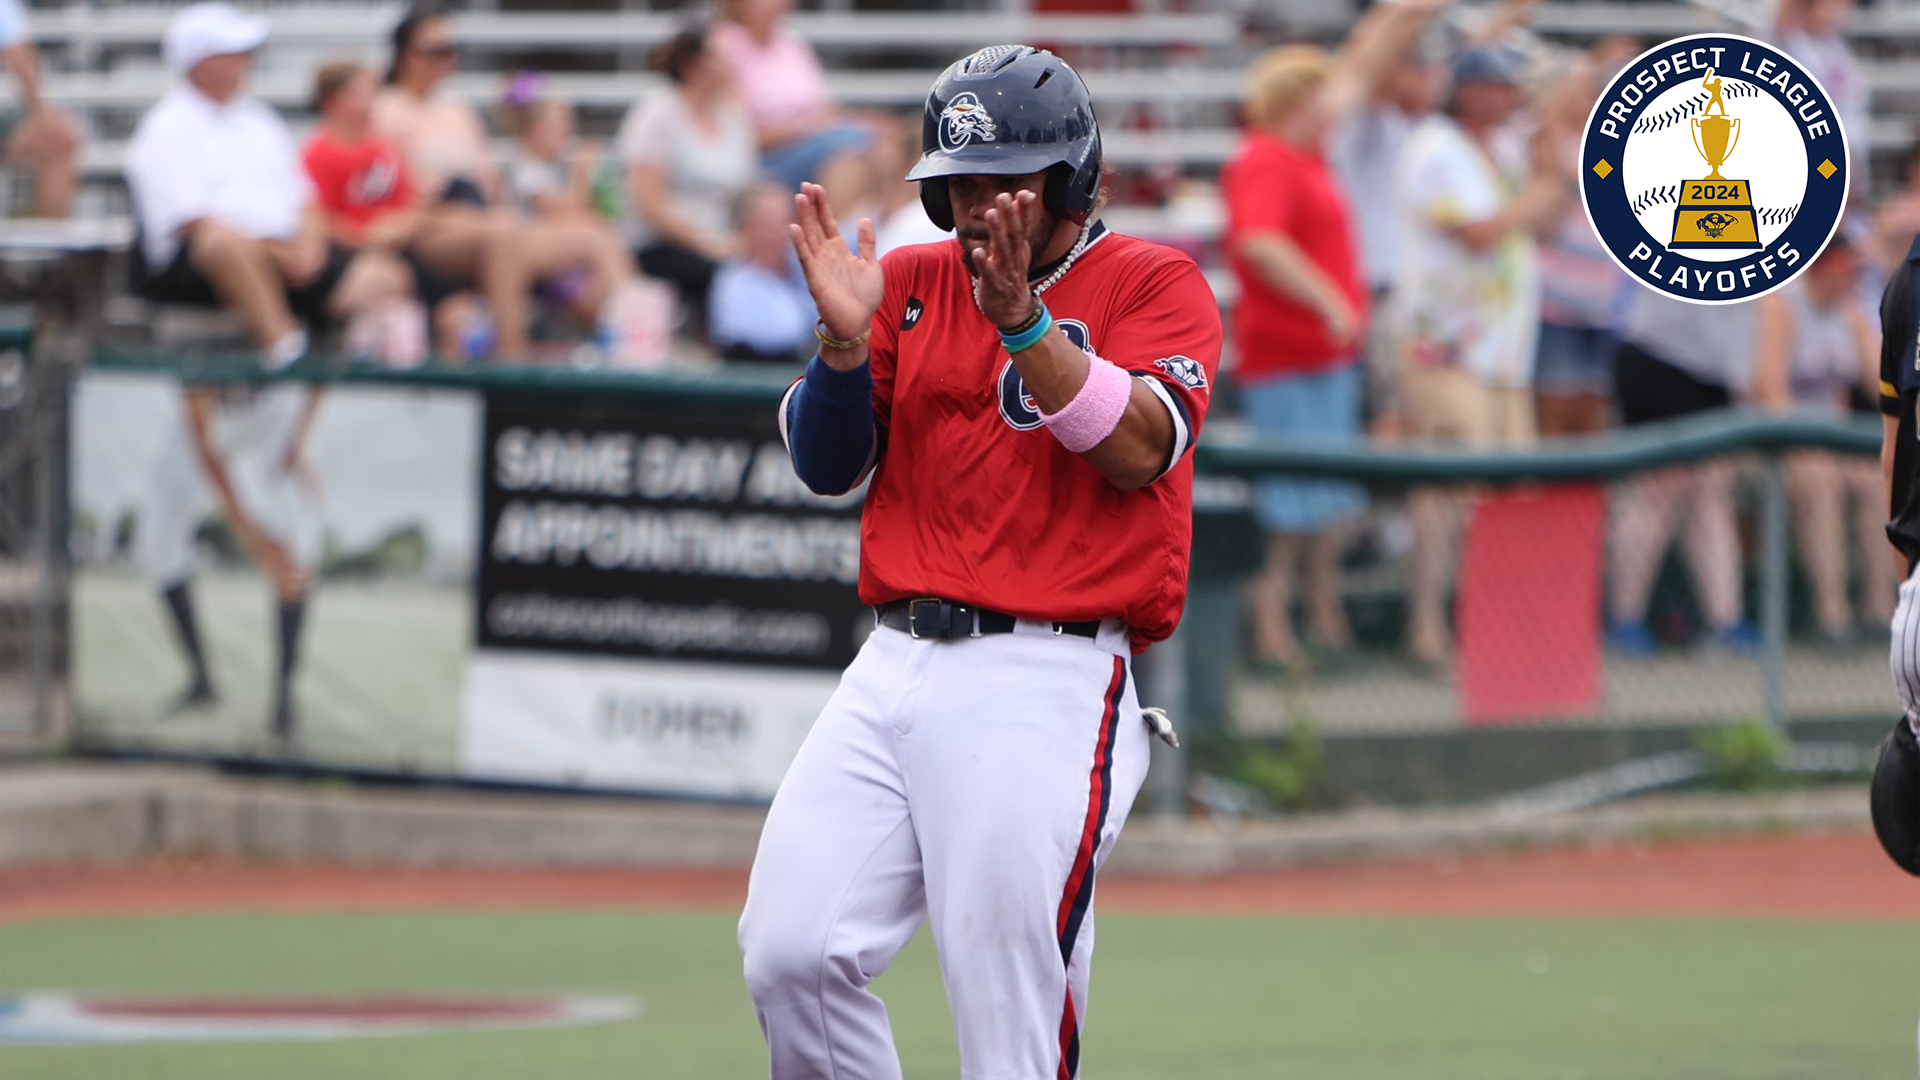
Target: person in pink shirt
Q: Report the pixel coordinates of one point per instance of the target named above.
(450, 159)
(778, 78)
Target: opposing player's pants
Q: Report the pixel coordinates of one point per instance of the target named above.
(977, 784)
(1905, 653)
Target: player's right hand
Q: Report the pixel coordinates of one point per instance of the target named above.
(846, 287)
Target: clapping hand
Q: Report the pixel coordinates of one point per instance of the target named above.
(1002, 289)
(847, 286)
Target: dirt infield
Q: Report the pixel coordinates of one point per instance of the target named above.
(1839, 875)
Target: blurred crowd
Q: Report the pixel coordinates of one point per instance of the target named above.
(400, 221)
(1402, 218)
(1406, 228)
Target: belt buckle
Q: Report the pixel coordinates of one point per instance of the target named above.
(913, 618)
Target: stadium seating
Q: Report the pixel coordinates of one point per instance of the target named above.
(1168, 80)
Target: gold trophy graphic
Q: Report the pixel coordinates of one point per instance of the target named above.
(1715, 212)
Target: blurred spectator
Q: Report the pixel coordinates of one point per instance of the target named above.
(760, 308)
(1898, 217)
(1815, 348)
(1365, 148)
(1298, 326)
(549, 173)
(1466, 302)
(37, 137)
(1676, 359)
(362, 183)
(445, 140)
(1467, 297)
(689, 154)
(1813, 32)
(225, 213)
(801, 134)
(1573, 370)
(902, 219)
(451, 162)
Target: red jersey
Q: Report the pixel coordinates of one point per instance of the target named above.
(973, 500)
(1273, 187)
(357, 181)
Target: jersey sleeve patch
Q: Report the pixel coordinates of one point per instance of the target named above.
(1187, 372)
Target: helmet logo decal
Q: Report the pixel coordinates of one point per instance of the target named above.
(964, 120)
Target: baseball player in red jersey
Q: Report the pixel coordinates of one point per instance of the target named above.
(1024, 400)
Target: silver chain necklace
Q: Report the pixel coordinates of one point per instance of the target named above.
(1066, 264)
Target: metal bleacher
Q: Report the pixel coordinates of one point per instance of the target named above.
(1167, 81)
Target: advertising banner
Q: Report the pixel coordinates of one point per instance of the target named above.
(661, 603)
(607, 590)
(274, 570)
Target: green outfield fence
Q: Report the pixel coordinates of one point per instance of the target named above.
(1531, 702)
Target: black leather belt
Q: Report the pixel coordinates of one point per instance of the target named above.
(931, 617)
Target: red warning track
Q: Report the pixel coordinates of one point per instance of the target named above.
(1810, 876)
(386, 1009)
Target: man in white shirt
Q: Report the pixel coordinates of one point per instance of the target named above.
(1466, 301)
(225, 210)
(38, 137)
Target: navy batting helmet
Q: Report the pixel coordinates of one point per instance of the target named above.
(1010, 110)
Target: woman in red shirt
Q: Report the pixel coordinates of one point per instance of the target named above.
(1299, 327)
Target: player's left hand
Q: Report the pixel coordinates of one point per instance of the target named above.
(1002, 289)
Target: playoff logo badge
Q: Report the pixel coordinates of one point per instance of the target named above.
(1714, 168)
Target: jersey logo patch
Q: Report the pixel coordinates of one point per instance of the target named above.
(911, 317)
(964, 120)
(1016, 403)
(1187, 372)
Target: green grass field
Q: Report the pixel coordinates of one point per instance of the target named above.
(1173, 997)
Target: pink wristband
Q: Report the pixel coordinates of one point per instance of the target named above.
(1096, 410)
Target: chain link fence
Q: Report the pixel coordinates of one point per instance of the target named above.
(1702, 601)
(32, 432)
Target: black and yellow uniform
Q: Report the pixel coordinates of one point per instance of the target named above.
(1895, 794)
(1900, 397)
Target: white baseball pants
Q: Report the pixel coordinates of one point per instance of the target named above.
(977, 784)
(1904, 659)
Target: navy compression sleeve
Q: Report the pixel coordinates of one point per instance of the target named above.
(827, 419)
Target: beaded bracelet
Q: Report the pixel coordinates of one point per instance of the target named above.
(820, 331)
(1032, 320)
(1027, 338)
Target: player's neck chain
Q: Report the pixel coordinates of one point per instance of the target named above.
(1048, 282)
